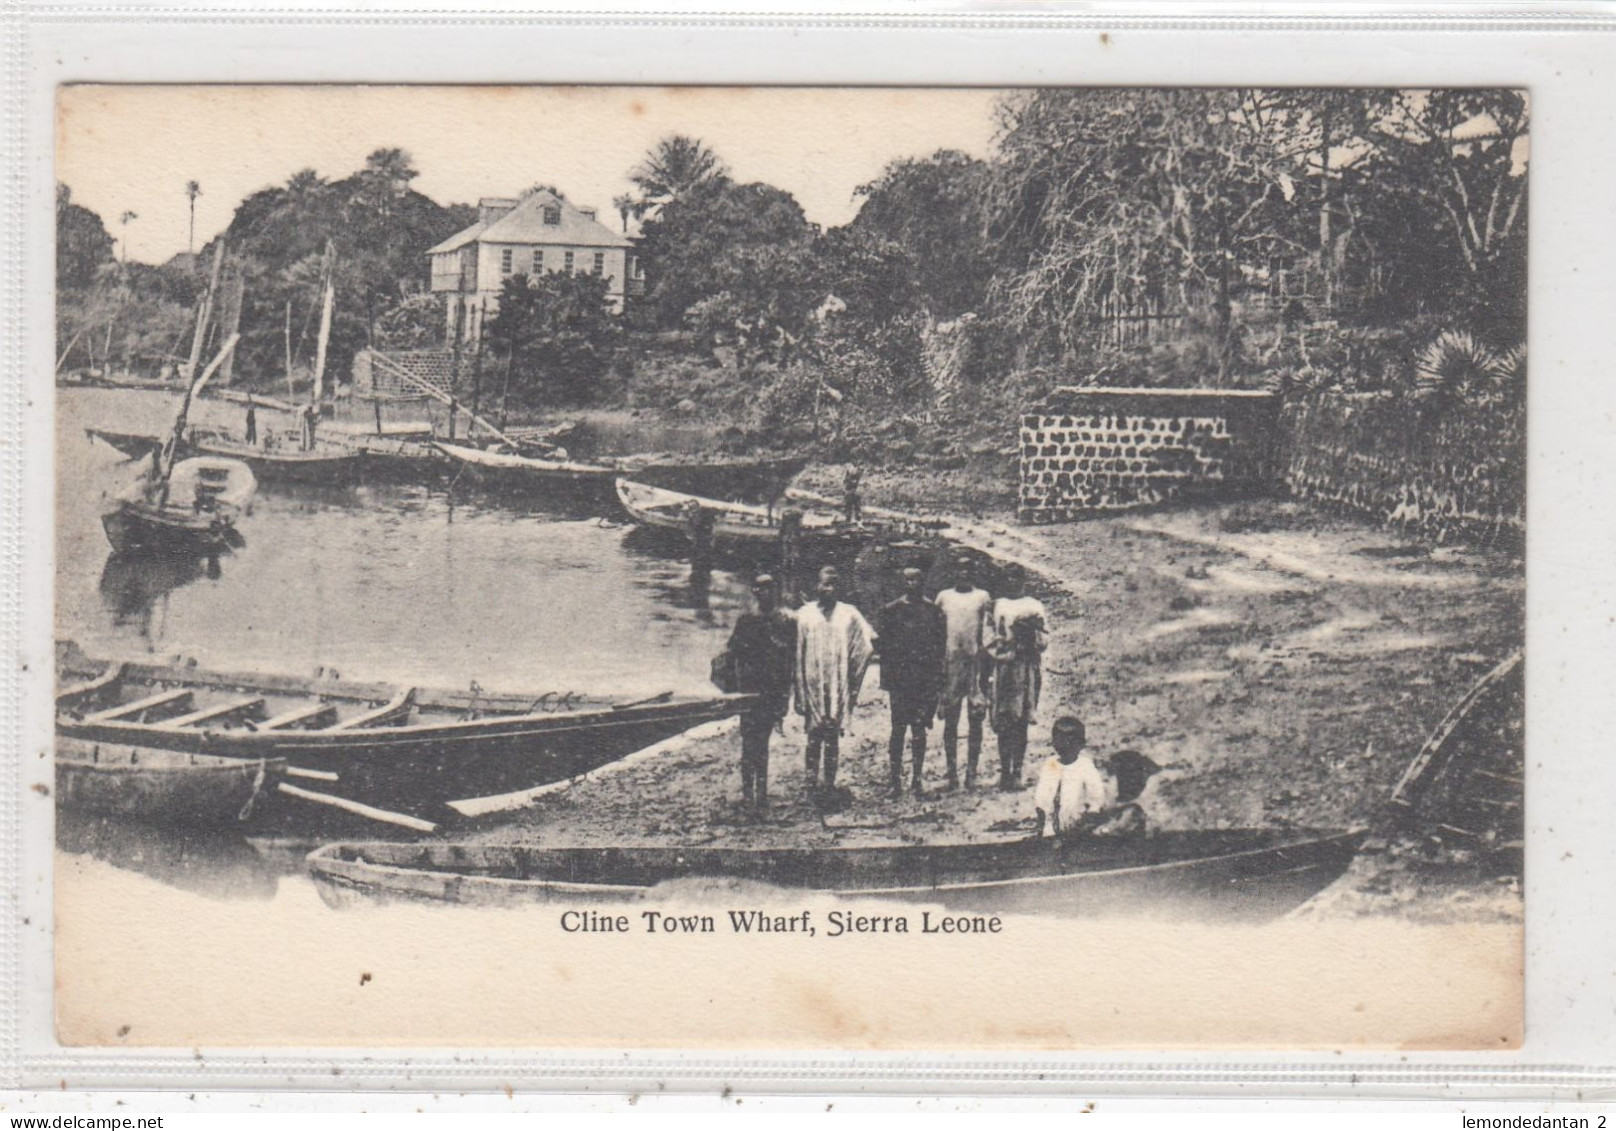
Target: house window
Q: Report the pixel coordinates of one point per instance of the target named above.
(538, 261)
(505, 261)
(600, 263)
(552, 215)
(567, 262)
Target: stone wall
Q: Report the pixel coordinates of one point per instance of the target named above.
(1090, 450)
(381, 381)
(1437, 471)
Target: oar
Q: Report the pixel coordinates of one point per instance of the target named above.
(403, 820)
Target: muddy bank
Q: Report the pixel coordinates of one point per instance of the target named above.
(1282, 664)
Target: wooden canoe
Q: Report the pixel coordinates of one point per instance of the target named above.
(162, 787)
(751, 479)
(1233, 873)
(505, 468)
(662, 509)
(400, 749)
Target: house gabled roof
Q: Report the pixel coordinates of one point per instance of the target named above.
(525, 224)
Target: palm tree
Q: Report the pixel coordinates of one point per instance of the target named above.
(626, 206)
(124, 220)
(675, 166)
(192, 191)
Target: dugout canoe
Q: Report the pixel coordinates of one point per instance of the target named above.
(748, 479)
(380, 748)
(1229, 873)
(743, 524)
(717, 477)
(162, 787)
(517, 471)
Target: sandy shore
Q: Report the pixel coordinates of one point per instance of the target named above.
(1282, 664)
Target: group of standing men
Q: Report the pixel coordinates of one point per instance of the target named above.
(962, 653)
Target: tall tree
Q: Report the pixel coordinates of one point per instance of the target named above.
(556, 332)
(193, 189)
(676, 166)
(82, 243)
(715, 238)
(1124, 196)
(933, 209)
(124, 221)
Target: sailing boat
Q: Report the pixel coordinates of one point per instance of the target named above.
(281, 457)
(187, 506)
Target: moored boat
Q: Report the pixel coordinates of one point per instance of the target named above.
(401, 750)
(327, 462)
(193, 511)
(740, 523)
(1230, 873)
(162, 787)
(507, 469)
(747, 479)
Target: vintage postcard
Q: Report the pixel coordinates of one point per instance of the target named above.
(773, 568)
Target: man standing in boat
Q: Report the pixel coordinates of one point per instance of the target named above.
(834, 645)
(912, 642)
(763, 653)
(968, 615)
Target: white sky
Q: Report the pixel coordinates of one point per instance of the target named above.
(133, 148)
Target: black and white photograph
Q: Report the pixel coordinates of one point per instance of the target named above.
(783, 567)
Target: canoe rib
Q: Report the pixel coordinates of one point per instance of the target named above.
(398, 705)
(123, 711)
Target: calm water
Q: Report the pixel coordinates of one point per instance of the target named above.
(425, 585)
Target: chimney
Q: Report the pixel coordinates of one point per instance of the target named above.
(589, 213)
(491, 208)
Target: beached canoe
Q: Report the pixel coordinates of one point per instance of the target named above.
(162, 787)
(400, 749)
(1234, 873)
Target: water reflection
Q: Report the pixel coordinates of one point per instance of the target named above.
(209, 863)
(135, 586)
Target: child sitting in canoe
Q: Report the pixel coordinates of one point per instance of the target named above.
(1080, 792)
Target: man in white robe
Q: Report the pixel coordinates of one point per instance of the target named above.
(834, 645)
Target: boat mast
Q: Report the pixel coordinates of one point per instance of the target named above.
(317, 387)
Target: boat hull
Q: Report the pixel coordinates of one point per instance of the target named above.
(160, 787)
(743, 480)
(137, 529)
(1248, 874)
(286, 466)
(376, 745)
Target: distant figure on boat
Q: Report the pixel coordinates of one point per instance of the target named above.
(967, 668)
(1017, 648)
(834, 645)
(1080, 792)
(762, 657)
(912, 642)
(308, 425)
(852, 500)
(252, 424)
